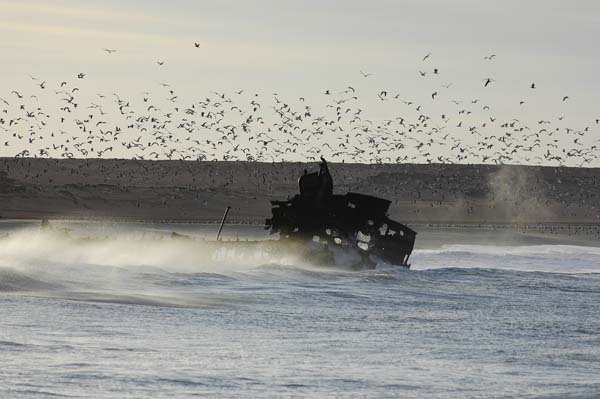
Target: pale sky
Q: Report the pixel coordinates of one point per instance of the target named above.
(303, 48)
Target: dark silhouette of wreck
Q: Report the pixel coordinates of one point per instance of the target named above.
(350, 221)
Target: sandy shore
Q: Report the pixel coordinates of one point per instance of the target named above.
(199, 191)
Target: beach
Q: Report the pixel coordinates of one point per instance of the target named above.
(199, 191)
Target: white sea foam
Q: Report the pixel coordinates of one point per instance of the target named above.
(548, 258)
(514, 250)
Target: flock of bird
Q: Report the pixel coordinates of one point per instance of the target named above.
(248, 126)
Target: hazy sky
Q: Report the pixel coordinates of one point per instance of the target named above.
(302, 48)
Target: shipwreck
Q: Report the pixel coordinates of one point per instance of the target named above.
(333, 223)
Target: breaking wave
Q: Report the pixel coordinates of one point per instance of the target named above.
(157, 268)
(545, 258)
(133, 267)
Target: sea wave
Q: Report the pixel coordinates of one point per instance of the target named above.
(125, 267)
(570, 250)
(543, 258)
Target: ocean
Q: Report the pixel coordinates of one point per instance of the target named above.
(96, 310)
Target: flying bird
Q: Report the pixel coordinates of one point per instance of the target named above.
(109, 51)
(487, 81)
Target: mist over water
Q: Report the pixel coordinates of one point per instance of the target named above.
(130, 311)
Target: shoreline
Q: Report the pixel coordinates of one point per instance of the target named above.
(198, 192)
(562, 229)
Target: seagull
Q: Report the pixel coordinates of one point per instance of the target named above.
(426, 56)
(487, 81)
(489, 57)
(533, 85)
(81, 75)
(365, 74)
(109, 51)
(565, 98)
(160, 62)
(196, 44)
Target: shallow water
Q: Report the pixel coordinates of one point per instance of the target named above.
(129, 312)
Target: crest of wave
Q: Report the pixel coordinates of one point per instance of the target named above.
(127, 249)
(545, 258)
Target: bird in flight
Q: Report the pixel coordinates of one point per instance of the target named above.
(196, 44)
(533, 85)
(161, 63)
(426, 56)
(365, 74)
(565, 98)
(487, 81)
(489, 57)
(109, 51)
(81, 75)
